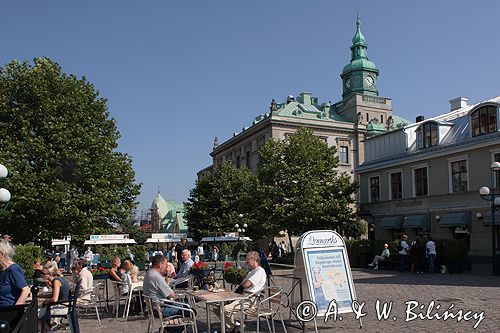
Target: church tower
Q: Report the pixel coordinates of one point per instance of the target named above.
(360, 75)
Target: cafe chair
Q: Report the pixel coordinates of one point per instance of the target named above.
(182, 283)
(118, 296)
(93, 303)
(133, 290)
(150, 311)
(188, 317)
(267, 306)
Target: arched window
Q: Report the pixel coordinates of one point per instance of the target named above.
(484, 120)
(429, 135)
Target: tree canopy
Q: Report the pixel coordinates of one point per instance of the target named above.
(301, 189)
(297, 188)
(220, 199)
(59, 144)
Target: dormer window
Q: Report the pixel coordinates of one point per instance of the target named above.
(430, 131)
(428, 135)
(484, 120)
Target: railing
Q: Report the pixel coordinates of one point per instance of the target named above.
(374, 99)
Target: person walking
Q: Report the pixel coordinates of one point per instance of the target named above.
(430, 248)
(178, 251)
(403, 253)
(88, 256)
(73, 256)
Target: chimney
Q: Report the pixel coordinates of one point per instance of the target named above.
(458, 103)
(419, 119)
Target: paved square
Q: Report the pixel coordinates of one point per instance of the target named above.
(467, 292)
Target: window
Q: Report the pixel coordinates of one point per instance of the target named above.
(238, 161)
(381, 118)
(459, 176)
(248, 159)
(396, 186)
(430, 135)
(367, 117)
(374, 189)
(420, 178)
(344, 155)
(484, 120)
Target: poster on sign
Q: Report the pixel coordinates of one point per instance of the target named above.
(324, 262)
(328, 279)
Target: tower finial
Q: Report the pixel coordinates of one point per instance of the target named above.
(158, 189)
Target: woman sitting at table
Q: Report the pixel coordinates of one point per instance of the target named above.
(128, 275)
(131, 269)
(60, 293)
(113, 271)
(13, 286)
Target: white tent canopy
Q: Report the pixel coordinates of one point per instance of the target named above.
(167, 238)
(224, 239)
(109, 240)
(62, 241)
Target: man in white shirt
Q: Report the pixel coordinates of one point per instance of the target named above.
(88, 257)
(201, 252)
(87, 278)
(430, 250)
(186, 265)
(403, 253)
(253, 282)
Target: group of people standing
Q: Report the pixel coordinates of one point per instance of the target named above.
(412, 255)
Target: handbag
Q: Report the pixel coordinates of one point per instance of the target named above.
(240, 289)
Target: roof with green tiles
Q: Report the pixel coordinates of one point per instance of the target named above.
(171, 214)
(307, 107)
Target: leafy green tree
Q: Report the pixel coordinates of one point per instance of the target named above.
(300, 188)
(130, 227)
(59, 144)
(220, 199)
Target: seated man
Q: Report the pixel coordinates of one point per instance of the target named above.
(187, 264)
(155, 287)
(253, 282)
(384, 255)
(82, 272)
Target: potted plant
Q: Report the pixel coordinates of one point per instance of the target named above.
(199, 268)
(234, 275)
(100, 273)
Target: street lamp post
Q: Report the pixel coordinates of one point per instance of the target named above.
(491, 195)
(4, 193)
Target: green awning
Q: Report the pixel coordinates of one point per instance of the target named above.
(417, 221)
(392, 222)
(456, 219)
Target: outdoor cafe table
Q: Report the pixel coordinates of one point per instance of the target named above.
(221, 296)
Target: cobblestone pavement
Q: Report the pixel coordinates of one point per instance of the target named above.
(467, 292)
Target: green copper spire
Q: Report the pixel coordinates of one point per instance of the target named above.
(358, 38)
(360, 75)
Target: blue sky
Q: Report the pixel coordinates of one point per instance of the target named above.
(178, 73)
